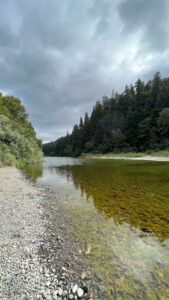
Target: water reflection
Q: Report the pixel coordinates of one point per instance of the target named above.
(136, 193)
(34, 171)
(120, 211)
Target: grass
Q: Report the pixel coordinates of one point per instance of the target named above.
(129, 154)
(162, 153)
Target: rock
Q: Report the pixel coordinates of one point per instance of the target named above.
(48, 291)
(64, 293)
(60, 291)
(44, 295)
(74, 289)
(102, 289)
(29, 273)
(85, 288)
(80, 292)
(83, 275)
(56, 282)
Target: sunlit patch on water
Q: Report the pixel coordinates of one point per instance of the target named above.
(119, 212)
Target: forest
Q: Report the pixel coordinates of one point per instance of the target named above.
(136, 120)
(18, 142)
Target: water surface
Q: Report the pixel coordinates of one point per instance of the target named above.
(119, 212)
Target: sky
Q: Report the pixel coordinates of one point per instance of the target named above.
(61, 56)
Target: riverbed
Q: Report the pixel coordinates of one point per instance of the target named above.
(117, 215)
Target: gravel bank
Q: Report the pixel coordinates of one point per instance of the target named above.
(24, 268)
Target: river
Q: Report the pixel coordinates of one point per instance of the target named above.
(119, 212)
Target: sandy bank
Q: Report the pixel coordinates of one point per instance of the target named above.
(148, 158)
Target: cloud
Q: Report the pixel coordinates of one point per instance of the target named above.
(62, 56)
(149, 19)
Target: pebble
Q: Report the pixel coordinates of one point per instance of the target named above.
(74, 289)
(44, 295)
(65, 293)
(80, 292)
(60, 291)
(24, 272)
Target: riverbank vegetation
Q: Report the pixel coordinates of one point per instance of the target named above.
(136, 120)
(18, 142)
(107, 155)
(162, 153)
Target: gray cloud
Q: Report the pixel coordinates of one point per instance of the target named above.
(148, 18)
(62, 56)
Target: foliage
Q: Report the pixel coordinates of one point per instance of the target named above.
(18, 142)
(136, 120)
(162, 153)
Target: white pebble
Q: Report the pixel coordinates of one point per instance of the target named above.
(60, 291)
(80, 292)
(74, 289)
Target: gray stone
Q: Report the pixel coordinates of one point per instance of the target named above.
(64, 293)
(60, 291)
(48, 283)
(44, 295)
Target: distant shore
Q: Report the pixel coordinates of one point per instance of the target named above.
(130, 156)
(150, 158)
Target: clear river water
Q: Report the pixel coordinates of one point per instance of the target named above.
(119, 212)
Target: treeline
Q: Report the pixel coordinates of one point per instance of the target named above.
(18, 142)
(135, 120)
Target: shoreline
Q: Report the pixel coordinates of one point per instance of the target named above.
(36, 258)
(144, 158)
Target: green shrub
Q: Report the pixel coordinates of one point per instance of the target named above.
(18, 142)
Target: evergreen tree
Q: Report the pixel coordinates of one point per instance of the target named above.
(135, 120)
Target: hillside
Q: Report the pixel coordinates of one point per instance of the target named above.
(18, 142)
(133, 121)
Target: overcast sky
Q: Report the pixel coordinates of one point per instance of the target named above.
(60, 56)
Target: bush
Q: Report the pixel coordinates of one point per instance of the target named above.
(18, 142)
